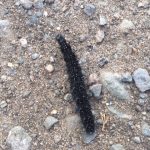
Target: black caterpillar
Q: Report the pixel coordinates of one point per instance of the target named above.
(77, 85)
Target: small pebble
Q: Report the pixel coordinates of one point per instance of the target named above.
(96, 90)
(45, 13)
(89, 9)
(58, 28)
(33, 20)
(20, 61)
(137, 140)
(49, 68)
(143, 113)
(3, 104)
(88, 138)
(145, 129)
(83, 38)
(49, 122)
(102, 21)
(26, 94)
(54, 112)
(126, 26)
(102, 62)
(57, 138)
(10, 65)
(117, 147)
(52, 60)
(100, 36)
(142, 79)
(126, 77)
(68, 97)
(35, 56)
(23, 42)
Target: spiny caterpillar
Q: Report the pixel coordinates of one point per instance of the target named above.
(77, 85)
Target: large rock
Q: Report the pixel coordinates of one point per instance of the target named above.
(142, 79)
(18, 139)
(112, 83)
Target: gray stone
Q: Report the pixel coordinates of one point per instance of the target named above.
(117, 147)
(119, 113)
(35, 56)
(112, 83)
(68, 97)
(89, 9)
(126, 77)
(83, 37)
(145, 129)
(38, 4)
(3, 104)
(100, 36)
(102, 62)
(142, 79)
(49, 122)
(102, 21)
(26, 4)
(96, 90)
(18, 139)
(126, 26)
(57, 138)
(33, 20)
(20, 60)
(88, 138)
(4, 26)
(137, 140)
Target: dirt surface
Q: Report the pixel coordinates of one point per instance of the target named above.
(32, 93)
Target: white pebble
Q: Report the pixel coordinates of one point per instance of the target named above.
(54, 112)
(23, 42)
(45, 13)
(49, 68)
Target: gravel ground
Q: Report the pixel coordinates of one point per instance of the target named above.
(111, 40)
